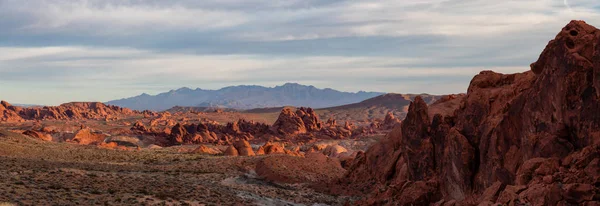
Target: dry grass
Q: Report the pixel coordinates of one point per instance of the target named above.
(35, 172)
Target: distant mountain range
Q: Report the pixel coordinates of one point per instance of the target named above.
(245, 97)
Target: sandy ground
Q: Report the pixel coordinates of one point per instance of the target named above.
(33, 172)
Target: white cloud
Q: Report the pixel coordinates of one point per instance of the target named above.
(105, 70)
(115, 18)
(118, 48)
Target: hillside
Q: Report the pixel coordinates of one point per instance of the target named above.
(376, 107)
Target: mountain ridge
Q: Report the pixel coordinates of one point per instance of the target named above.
(245, 97)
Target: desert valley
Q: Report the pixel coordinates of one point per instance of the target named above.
(530, 138)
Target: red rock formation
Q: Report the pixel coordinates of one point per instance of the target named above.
(271, 148)
(231, 151)
(38, 135)
(336, 132)
(243, 147)
(289, 123)
(390, 121)
(310, 119)
(277, 148)
(87, 137)
(9, 113)
(178, 135)
(140, 127)
(75, 110)
(331, 122)
(528, 138)
(215, 133)
(300, 122)
(202, 149)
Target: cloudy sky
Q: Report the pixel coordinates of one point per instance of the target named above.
(54, 51)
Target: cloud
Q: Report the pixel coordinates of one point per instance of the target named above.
(107, 49)
(115, 17)
(129, 71)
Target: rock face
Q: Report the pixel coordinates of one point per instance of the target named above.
(528, 138)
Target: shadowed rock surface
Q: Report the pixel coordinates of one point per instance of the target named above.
(527, 138)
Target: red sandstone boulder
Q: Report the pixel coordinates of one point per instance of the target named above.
(231, 151)
(87, 137)
(271, 148)
(243, 147)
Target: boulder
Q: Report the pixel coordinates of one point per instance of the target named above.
(87, 136)
(231, 151)
(271, 148)
(243, 147)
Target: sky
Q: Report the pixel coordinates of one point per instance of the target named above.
(56, 51)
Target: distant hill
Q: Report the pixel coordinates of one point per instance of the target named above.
(376, 107)
(176, 109)
(245, 97)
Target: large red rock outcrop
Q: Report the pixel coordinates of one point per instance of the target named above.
(528, 138)
(302, 121)
(214, 133)
(74, 110)
(9, 113)
(289, 123)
